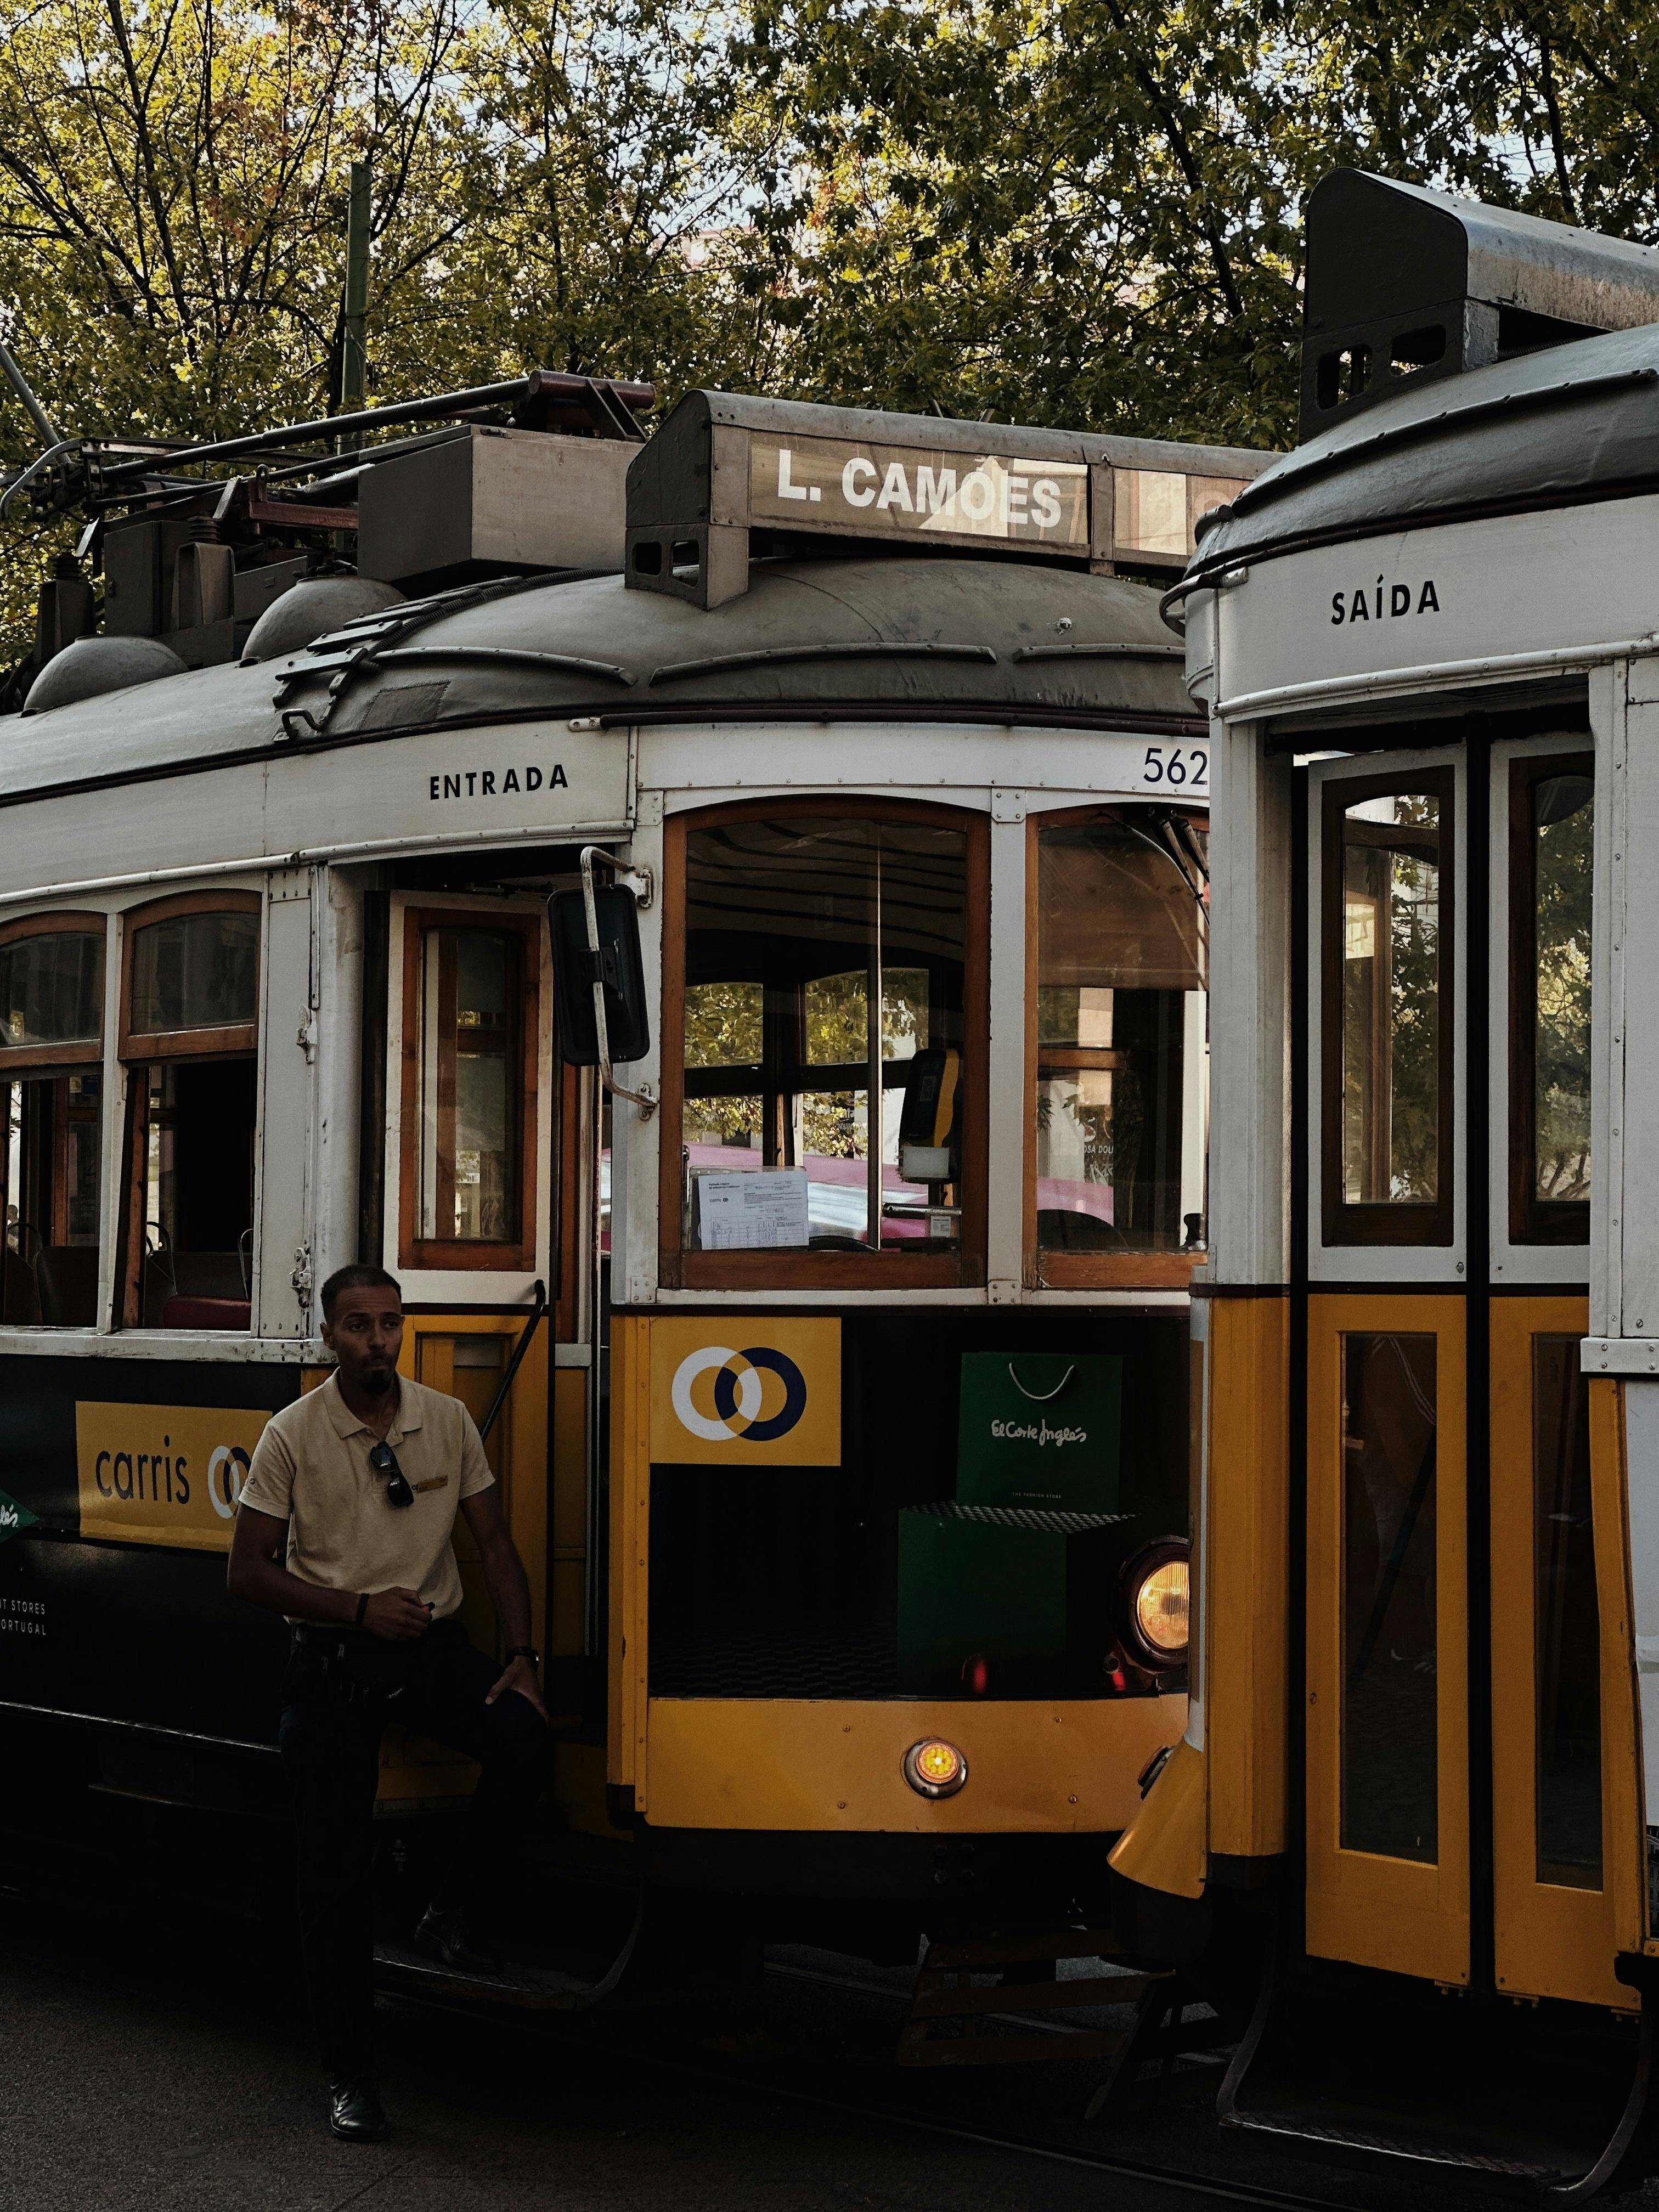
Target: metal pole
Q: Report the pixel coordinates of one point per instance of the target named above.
(538, 1309)
(873, 1144)
(404, 410)
(47, 430)
(354, 360)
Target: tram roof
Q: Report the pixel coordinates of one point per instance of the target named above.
(920, 639)
(1569, 425)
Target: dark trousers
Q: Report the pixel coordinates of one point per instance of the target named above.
(334, 1709)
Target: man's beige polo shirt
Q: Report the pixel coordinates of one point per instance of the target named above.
(311, 1469)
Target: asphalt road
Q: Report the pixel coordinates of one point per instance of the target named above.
(137, 2075)
(156, 2056)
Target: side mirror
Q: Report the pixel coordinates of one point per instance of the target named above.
(929, 1141)
(613, 962)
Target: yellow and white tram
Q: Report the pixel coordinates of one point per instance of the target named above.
(1421, 1751)
(851, 1460)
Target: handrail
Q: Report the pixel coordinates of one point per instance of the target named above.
(513, 1365)
(871, 649)
(1146, 651)
(511, 656)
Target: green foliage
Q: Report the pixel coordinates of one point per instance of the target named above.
(724, 1029)
(1057, 211)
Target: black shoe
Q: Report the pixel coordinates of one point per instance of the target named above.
(445, 1937)
(354, 2112)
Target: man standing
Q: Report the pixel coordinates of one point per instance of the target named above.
(360, 1479)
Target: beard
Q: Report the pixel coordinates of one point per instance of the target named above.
(375, 1382)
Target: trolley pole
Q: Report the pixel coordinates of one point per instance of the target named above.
(354, 360)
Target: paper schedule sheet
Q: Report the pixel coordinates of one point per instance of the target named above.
(762, 1210)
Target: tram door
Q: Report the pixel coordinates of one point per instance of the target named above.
(1446, 1089)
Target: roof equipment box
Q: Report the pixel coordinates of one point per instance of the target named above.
(493, 502)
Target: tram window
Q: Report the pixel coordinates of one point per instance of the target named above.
(1566, 1625)
(188, 1035)
(194, 972)
(52, 1017)
(193, 1149)
(1551, 823)
(52, 991)
(823, 954)
(53, 1127)
(1120, 1082)
(1387, 1038)
(470, 1017)
(1390, 1709)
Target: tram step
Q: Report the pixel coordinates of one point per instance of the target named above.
(957, 2021)
(1353, 2067)
(937, 2003)
(533, 1989)
(1396, 2145)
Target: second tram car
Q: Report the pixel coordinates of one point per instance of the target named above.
(851, 1455)
(1422, 1759)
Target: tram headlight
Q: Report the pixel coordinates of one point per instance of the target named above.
(1157, 1591)
(934, 1768)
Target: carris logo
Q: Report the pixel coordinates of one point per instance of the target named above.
(1384, 602)
(739, 1394)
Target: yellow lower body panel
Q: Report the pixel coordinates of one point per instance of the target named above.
(788, 1764)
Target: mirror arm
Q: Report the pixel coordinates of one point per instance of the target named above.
(639, 881)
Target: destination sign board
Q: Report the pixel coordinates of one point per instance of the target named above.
(732, 477)
(899, 491)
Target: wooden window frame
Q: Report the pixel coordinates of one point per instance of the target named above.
(23, 1061)
(1387, 1223)
(890, 1268)
(1079, 1271)
(132, 1214)
(443, 1255)
(1532, 1220)
(136, 1045)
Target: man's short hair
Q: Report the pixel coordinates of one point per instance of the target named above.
(359, 1276)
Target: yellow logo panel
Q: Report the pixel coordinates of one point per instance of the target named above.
(739, 1390)
(163, 1474)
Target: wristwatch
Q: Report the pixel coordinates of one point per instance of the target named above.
(524, 1652)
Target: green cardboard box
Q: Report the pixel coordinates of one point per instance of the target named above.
(992, 1603)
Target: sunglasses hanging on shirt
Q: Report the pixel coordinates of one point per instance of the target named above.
(384, 1461)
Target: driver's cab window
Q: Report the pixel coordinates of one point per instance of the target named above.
(825, 1073)
(1121, 1045)
(52, 1029)
(189, 1002)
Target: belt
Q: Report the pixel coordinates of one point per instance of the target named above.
(319, 1633)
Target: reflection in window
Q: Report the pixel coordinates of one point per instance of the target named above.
(51, 1173)
(1567, 1627)
(195, 971)
(1563, 820)
(470, 1058)
(1391, 1709)
(1122, 1056)
(821, 957)
(1390, 1005)
(51, 1014)
(51, 990)
(196, 1155)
